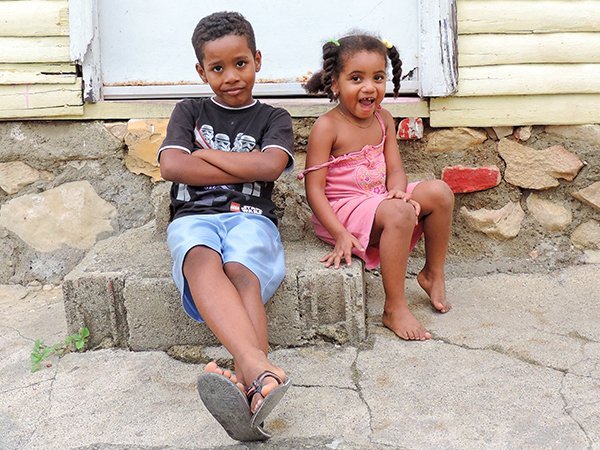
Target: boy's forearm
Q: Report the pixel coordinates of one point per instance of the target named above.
(185, 168)
(252, 166)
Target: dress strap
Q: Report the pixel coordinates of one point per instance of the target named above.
(301, 175)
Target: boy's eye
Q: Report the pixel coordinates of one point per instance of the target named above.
(241, 63)
(217, 69)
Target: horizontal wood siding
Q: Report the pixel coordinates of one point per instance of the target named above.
(524, 62)
(37, 77)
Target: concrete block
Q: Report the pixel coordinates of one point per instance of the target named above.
(123, 292)
(95, 301)
(156, 319)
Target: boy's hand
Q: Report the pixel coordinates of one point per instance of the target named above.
(342, 251)
(397, 193)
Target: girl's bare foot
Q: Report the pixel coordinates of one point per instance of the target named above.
(435, 287)
(214, 368)
(405, 325)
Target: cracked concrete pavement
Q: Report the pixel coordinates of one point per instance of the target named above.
(515, 364)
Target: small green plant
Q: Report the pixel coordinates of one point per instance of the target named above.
(74, 342)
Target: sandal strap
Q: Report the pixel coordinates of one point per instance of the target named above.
(257, 384)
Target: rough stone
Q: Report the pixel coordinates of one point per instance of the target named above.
(589, 195)
(143, 139)
(587, 235)
(410, 128)
(503, 131)
(46, 143)
(71, 214)
(589, 133)
(454, 139)
(522, 133)
(552, 216)
(537, 169)
(117, 129)
(14, 176)
(471, 179)
(501, 224)
(161, 201)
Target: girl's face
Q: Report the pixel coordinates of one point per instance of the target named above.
(361, 83)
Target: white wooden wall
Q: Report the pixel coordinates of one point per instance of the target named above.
(525, 62)
(37, 77)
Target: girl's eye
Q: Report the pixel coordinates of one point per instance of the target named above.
(379, 78)
(355, 78)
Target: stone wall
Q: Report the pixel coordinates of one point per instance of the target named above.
(528, 198)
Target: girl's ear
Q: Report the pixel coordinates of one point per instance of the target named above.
(257, 60)
(334, 87)
(201, 72)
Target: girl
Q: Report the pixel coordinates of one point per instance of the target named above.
(357, 187)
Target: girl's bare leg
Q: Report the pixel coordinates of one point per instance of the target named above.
(437, 203)
(225, 313)
(392, 232)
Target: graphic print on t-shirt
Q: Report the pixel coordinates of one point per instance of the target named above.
(206, 138)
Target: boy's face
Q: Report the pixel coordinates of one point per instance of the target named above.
(229, 67)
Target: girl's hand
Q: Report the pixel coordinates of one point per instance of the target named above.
(342, 250)
(397, 193)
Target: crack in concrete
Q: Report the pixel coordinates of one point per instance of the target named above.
(341, 388)
(18, 333)
(356, 378)
(44, 410)
(501, 351)
(569, 412)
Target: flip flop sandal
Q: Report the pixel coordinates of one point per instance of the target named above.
(271, 400)
(228, 404)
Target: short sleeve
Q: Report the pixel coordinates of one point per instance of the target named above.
(279, 133)
(180, 130)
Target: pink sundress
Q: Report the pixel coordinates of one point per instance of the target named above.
(355, 186)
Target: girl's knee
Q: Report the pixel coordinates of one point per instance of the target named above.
(437, 192)
(398, 213)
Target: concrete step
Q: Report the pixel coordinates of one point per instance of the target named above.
(123, 292)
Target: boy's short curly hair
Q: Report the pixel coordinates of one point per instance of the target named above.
(221, 24)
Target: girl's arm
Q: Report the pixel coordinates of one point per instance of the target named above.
(182, 167)
(320, 143)
(396, 180)
(257, 165)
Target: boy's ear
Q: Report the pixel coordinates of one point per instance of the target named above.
(257, 60)
(201, 72)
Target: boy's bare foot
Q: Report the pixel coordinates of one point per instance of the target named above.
(267, 385)
(405, 325)
(214, 368)
(435, 287)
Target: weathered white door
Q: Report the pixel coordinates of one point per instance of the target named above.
(142, 48)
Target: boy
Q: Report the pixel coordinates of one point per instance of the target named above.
(227, 253)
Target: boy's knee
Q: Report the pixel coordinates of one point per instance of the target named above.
(239, 274)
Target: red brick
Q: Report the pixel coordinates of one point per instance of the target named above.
(410, 128)
(471, 179)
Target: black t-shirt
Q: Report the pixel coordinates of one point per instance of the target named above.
(201, 123)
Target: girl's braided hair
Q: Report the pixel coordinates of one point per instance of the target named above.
(219, 24)
(335, 54)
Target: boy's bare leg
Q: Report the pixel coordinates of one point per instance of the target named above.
(223, 310)
(437, 203)
(392, 231)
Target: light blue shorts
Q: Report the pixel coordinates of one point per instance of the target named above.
(248, 239)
